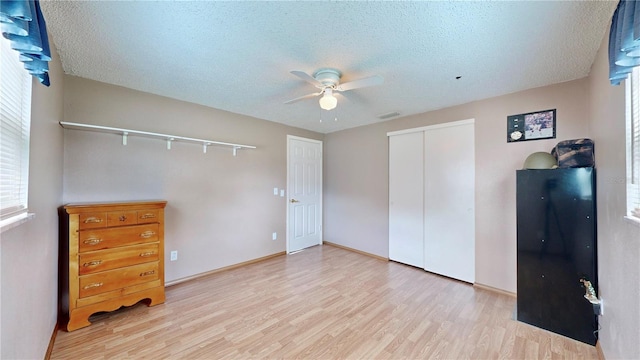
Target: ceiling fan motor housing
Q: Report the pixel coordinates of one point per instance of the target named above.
(328, 77)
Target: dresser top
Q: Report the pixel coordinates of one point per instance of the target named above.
(113, 206)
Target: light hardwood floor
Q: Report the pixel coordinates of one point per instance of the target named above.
(322, 303)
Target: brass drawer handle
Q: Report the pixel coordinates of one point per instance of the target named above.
(92, 263)
(147, 273)
(147, 234)
(94, 285)
(148, 216)
(92, 241)
(92, 220)
(122, 218)
(146, 254)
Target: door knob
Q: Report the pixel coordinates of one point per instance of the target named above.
(294, 201)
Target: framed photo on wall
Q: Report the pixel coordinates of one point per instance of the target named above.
(531, 126)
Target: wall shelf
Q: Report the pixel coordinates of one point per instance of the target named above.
(125, 133)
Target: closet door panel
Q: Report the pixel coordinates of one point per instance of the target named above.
(449, 214)
(406, 193)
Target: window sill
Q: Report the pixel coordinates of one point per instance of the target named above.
(12, 222)
(633, 220)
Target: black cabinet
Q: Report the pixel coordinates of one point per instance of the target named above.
(556, 217)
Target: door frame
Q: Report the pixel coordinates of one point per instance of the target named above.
(289, 186)
(434, 126)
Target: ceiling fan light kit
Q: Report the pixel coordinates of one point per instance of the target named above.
(328, 101)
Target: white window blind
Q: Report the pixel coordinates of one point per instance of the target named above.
(15, 117)
(633, 144)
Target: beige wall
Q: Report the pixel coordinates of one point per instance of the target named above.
(29, 251)
(221, 209)
(618, 239)
(356, 174)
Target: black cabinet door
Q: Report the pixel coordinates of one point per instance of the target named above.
(557, 248)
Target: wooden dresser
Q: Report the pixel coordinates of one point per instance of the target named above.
(111, 255)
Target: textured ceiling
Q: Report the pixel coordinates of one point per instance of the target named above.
(237, 56)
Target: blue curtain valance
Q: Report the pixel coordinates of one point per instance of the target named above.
(22, 23)
(624, 41)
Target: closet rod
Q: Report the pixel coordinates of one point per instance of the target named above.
(168, 138)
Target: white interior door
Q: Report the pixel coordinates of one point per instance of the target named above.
(449, 205)
(304, 187)
(406, 193)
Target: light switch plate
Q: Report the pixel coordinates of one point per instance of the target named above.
(275, 191)
(282, 193)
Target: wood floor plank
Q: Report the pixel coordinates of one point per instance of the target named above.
(321, 303)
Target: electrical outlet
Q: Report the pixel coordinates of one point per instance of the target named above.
(601, 307)
(274, 236)
(597, 307)
(174, 255)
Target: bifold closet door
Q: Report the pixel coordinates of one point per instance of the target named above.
(449, 200)
(406, 194)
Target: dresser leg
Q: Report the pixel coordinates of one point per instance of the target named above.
(78, 320)
(157, 297)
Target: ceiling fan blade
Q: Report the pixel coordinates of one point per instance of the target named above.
(360, 83)
(308, 96)
(306, 77)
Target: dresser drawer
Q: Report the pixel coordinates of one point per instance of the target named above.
(148, 216)
(122, 218)
(102, 260)
(117, 279)
(90, 240)
(93, 220)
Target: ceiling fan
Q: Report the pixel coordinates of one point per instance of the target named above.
(328, 81)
